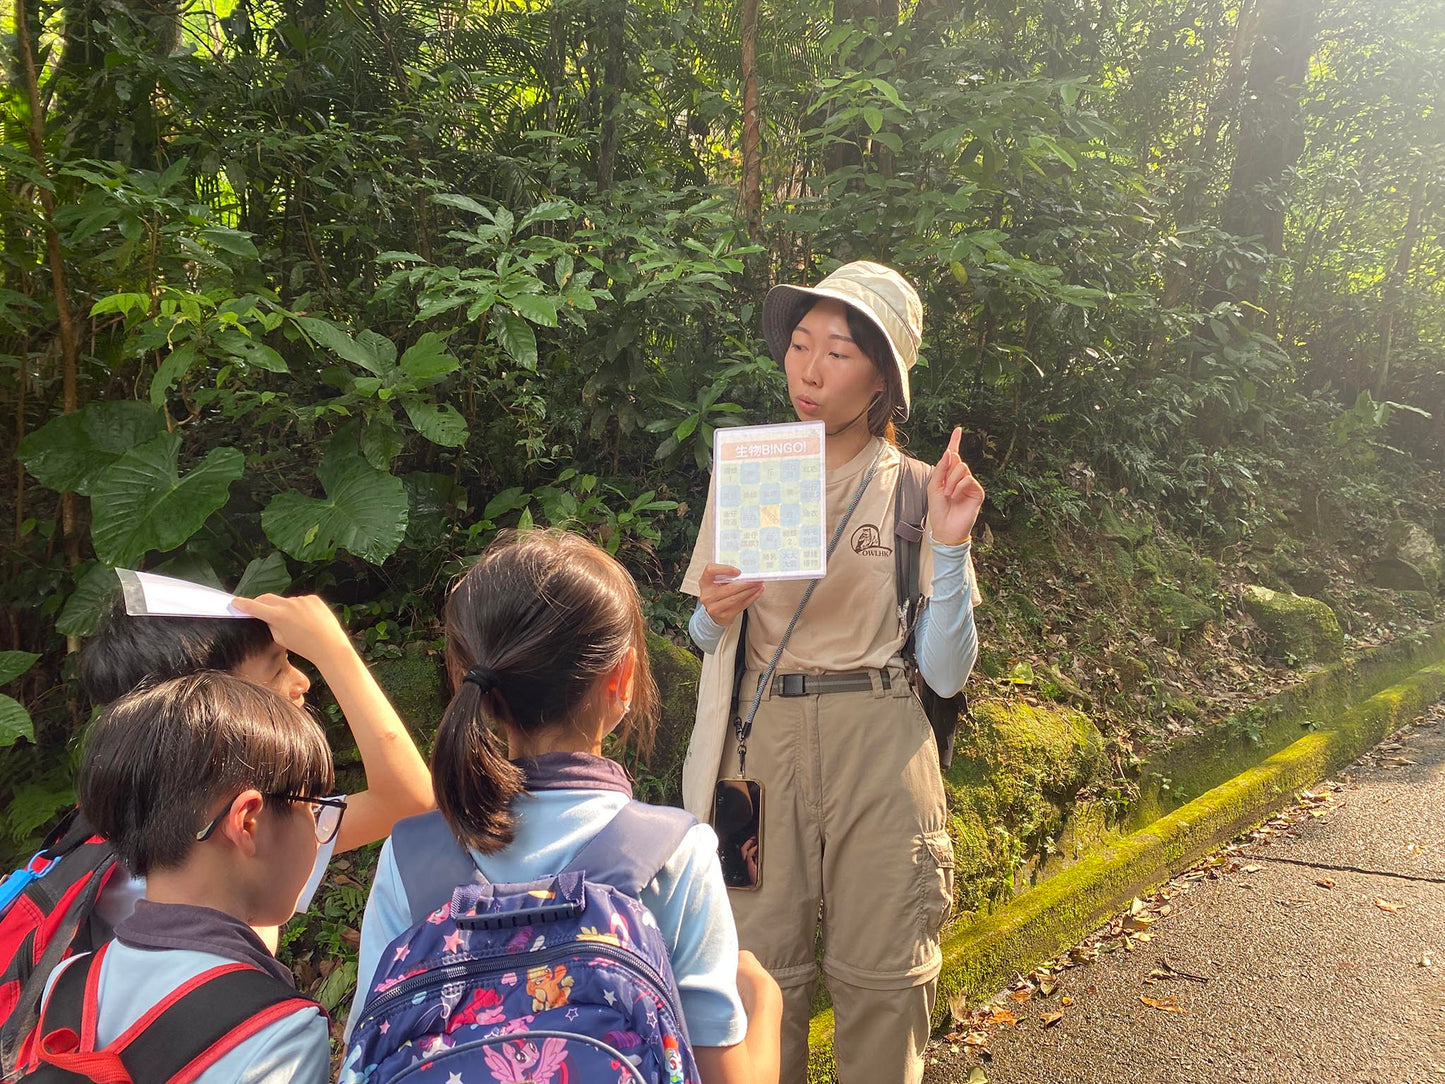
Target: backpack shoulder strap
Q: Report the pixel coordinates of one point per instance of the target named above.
(910, 508)
(430, 861)
(174, 1041)
(630, 852)
(59, 904)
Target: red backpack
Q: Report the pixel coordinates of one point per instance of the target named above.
(49, 915)
(174, 1042)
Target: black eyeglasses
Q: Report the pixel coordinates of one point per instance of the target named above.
(326, 811)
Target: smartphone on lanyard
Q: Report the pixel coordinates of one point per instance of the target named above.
(737, 818)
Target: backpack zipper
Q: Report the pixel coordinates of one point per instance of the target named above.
(480, 966)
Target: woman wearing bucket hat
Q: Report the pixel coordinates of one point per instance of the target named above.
(853, 821)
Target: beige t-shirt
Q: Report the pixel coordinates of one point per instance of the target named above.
(851, 622)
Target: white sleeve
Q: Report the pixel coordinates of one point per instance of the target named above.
(945, 638)
(705, 632)
(388, 915)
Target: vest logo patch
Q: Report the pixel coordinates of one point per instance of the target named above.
(867, 541)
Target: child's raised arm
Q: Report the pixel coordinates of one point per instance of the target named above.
(397, 781)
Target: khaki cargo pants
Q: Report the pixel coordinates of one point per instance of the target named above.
(854, 825)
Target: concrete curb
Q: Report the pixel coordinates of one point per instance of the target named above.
(981, 958)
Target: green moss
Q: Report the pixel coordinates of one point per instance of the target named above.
(1014, 778)
(676, 671)
(1173, 614)
(413, 684)
(1128, 532)
(1296, 629)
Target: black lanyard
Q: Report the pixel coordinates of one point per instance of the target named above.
(742, 728)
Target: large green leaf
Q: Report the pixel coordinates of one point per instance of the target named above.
(428, 361)
(14, 723)
(264, 576)
(364, 512)
(142, 503)
(15, 663)
(517, 338)
(88, 603)
(359, 351)
(439, 424)
(71, 452)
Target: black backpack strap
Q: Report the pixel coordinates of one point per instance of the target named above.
(910, 509)
(431, 862)
(190, 1029)
(630, 852)
(77, 861)
(740, 665)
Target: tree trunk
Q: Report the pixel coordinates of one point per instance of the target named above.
(752, 178)
(614, 73)
(1271, 136)
(1395, 284)
(69, 345)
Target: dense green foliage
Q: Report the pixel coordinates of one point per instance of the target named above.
(347, 287)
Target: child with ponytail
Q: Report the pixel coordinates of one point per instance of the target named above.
(546, 649)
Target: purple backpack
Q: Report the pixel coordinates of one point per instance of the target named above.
(565, 980)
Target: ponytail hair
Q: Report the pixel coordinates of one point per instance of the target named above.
(530, 630)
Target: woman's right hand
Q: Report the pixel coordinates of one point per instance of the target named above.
(725, 601)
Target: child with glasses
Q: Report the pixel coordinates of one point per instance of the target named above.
(130, 651)
(214, 789)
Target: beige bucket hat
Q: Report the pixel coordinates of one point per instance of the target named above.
(879, 293)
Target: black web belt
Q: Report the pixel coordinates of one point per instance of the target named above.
(850, 681)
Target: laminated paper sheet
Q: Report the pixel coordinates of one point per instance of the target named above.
(771, 513)
(149, 595)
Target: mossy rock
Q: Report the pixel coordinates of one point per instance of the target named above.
(413, 684)
(1308, 580)
(1411, 561)
(1127, 532)
(1296, 629)
(1149, 562)
(676, 671)
(1173, 614)
(1016, 773)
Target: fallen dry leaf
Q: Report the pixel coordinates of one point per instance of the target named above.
(1050, 1018)
(976, 1038)
(958, 1007)
(1021, 995)
(999, 1015)
(1253, 867)
(1383, 906)
(1325, 882)
(1066, 1001)
(1163, 1004)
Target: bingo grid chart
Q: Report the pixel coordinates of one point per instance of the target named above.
(770, 507)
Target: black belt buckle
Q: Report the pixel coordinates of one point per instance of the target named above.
(794, 685)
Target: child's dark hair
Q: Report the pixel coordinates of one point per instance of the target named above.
(873, 344)
(128, 651)
(158, 761)
(546, 614)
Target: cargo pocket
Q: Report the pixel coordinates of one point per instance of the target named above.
(937, 860)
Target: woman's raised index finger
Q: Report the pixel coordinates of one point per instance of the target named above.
(953, 440)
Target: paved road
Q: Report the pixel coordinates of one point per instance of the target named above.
(1305, 983)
